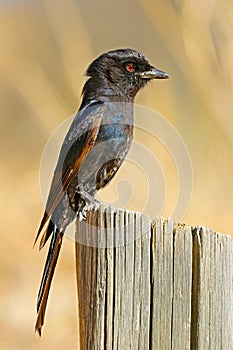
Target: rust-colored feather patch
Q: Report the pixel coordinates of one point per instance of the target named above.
(60, 183)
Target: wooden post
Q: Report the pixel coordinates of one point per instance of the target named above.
(154, 285)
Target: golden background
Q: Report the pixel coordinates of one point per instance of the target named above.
(45, 47)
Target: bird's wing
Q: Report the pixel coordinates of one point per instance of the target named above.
(77, 144)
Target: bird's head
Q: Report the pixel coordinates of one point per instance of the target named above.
(122, 72)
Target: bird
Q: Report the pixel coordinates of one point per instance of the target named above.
(93, 150)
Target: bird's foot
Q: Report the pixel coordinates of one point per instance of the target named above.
(90, 202)
(82, 214)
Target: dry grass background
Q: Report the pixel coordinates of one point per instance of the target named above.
(45, 46)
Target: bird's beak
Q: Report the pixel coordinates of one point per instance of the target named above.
(154, 73)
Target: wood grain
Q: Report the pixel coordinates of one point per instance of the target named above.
(146, 284)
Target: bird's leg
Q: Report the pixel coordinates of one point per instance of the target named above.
(88, 199)
(85, 195)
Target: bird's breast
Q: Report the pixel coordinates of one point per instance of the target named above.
(111, 147)
(117, 122)
(115, 131)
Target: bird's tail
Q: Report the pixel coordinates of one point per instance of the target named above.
(48, 273)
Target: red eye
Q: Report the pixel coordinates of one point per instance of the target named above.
(130, 67)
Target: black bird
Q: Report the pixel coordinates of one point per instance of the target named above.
(93, 150)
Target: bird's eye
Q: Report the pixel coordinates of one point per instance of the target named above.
(130, 67)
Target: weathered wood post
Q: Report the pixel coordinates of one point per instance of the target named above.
(154, 285)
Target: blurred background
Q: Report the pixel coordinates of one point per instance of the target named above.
(45, 47)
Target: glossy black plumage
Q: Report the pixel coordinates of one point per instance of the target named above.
(94, 148)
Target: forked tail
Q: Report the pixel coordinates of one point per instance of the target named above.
(48, 273)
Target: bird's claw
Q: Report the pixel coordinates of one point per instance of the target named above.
(82, 214)
(90, 202)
